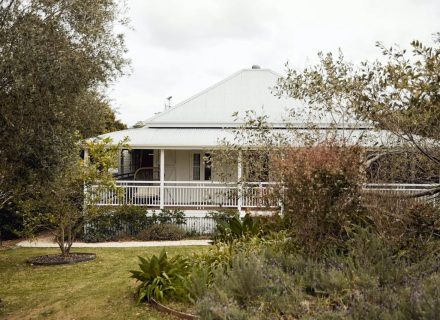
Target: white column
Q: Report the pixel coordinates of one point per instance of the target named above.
(121, 162)
(86, 156)
(240, 183)
(162, 178)
(86, 162)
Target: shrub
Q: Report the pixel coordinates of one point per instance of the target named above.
(250, 289)
(162, 231)
(195, 285)
(410, 225)
(223, 215)
(169, 216)
(270, 224)
(11, 223)
(322, 195)
(160, 276)
(233, 228)
(369, 281)
(127, 221)
(118, 222)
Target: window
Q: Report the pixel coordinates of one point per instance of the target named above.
(196, 166)
(208, 168)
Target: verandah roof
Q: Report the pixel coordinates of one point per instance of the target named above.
(171, 138)
(211, 138)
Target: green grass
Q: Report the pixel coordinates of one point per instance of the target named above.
(99, 289)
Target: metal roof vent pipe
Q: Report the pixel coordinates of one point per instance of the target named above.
(168, 102)
(256, 66)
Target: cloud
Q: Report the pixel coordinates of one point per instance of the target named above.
(180, 24)
(181, 47)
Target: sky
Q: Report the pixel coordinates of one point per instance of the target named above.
(180, 47)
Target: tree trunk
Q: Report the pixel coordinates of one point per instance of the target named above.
(69, 239)
(61, 242)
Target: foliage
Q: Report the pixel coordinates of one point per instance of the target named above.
(223, 215)
(161, 231)
(219, 256)
(236, 228)
(63, 207)
(56, 57)
(399, 93)
(175, 216)
(11, 223)
(196, 284)
(122, 221)
(160, 276)
(410, 225)
(370, 281)
(322, 194)
(131, 221)
(97, 116)
(250, 226)
(254, 141)
(239, 292)
(348, 255)
(273, 224)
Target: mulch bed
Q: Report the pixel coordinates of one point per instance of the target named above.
(56, 259)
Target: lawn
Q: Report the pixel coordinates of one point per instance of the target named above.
(99, 289)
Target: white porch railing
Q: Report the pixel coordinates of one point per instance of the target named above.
(212, 194)
(404, 189)
(190, 194)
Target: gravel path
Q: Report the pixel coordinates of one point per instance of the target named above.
(123, 244)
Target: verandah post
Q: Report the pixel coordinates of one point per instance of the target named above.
(240, 182)
(86, 163)
(162, 178)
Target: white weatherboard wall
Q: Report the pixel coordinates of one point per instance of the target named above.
(182, 169)
(170, 165)
(183, 165)
(178, 166)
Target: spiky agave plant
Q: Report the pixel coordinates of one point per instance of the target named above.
(160, 276)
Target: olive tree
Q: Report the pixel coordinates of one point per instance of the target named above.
(56, 60)
(53, 56)
(68, 203)
(399, 94)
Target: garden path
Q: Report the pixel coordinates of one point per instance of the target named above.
(46, 243)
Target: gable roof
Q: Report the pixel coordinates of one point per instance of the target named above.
(247, 89)
(207, 117)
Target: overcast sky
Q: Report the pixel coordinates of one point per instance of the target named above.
(179, 48)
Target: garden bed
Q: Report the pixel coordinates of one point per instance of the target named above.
(56, 259)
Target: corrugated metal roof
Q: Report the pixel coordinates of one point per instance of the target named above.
(248, 89)
(205, 119)
(171, 138)
(211, 138)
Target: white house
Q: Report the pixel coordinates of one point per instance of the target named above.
(165, 166)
